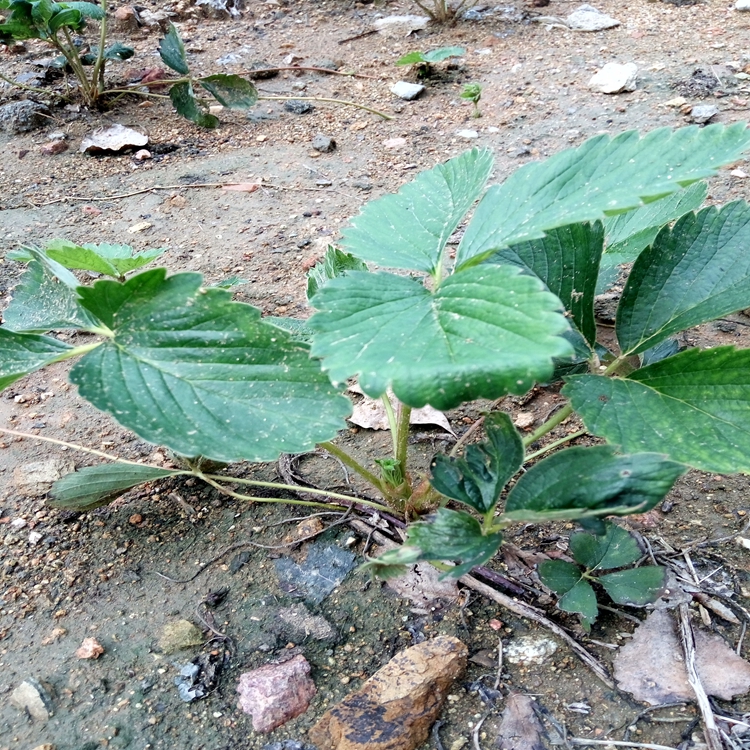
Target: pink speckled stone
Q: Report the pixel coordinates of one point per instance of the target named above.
(275, 693)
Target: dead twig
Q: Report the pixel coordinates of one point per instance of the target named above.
(618, 743)
(532, 613)
(361, 35)
(687, 639)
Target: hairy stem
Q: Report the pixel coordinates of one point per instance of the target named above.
(77, 351)
(549, 425)
(97, 77)
(404, 417)
(70, 52)
(555, 444)
(24, 86)
(388, 406)
(355, 466)
(277, 486)
(326, 99)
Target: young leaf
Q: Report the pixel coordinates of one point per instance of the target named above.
(567, 261)
(41, 12)
(335, 263)
(40, 303)
(485, 332)
(409, 229)
(694, 406)
(234, 92)
(22, 353)
(190, 369)
(478, 478)
(90, 10)
(696, 272)
(172, 52)
(93, 486)
(443, 53)
(184, 101)
(68, 17)
(576, 594)
(452, 535)
(118, 51)
(601, 177)
(628, 234)
(411, 58)
(104, 258)
(596, 479)
(613, 549)
(636, 587)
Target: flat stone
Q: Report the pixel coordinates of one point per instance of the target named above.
(297, 623)
(702, 113)
(614, 78)
(323, 143)
(742, 5)
(298, 106)
(313, 579)
(31, 696)
(35, 478)
(275, 693)
(406, 90)
(529, 649)
(396, 707)
(468, 134)
(588, 18)
(178, 635)
(23, 116)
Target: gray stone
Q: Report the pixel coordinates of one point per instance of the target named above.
(325, 63)
(324, 568)
(23, 116)
(275, 693)
(35, 478)
(297, 623)
(323, 143)
(31, 696)
(298, 106)
(406, 90)
(702, 113)
(588, 18)
(614, 78)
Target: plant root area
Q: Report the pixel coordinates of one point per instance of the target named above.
(176, 550)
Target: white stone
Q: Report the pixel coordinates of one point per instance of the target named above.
(406, 90)
(467, 134)
(588, 18)
(35, 478)
(401, 25)
(529, 649)
(614, 78)
(742, 5)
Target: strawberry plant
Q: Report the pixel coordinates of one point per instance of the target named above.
(615, 548)
(187, 367)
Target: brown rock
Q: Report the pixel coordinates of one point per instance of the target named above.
(90, 649)
(275, 693)
(395, 708)
(126, 19)
(58, 146)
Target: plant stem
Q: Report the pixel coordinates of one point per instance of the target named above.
(70, 52)
(326, 99)
(277, 486)
(134, 91)
(355, 466)
(613, 367)
(77, 351)
(388, 406)
(239, 496)
(97, 77)
(549, 425)
(552, 446)
(404, 416)
(24, 86)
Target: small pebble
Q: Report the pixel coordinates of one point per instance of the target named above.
(298, 106)
(323, 143)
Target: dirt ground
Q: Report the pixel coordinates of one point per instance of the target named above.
(65, 577)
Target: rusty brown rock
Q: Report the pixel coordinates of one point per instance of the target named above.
(396, 707)
(276, 693)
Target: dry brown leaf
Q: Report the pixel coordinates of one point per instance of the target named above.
(651, 666)
(520, 728)
(370, 413)
(242, 187)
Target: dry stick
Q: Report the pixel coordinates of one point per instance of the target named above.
(618, 743)
(532, 613)
(687, 638)
(253, 73)
(88, 198)
(362, 35)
